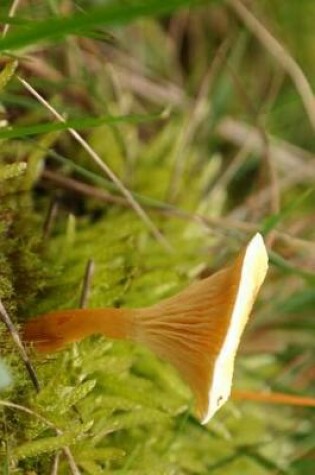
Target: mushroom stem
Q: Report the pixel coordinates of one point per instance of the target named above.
(53, 331)
(273, 398)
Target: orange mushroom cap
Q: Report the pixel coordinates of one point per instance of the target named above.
(199, 330)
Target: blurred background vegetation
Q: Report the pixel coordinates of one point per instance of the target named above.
(209, 123)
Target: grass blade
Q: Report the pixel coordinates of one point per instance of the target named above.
(113, 14)
(81, 123)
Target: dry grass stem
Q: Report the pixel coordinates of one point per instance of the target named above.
(274, 193)
(285, 155)
(83, 188)
(283, 58)
(102, 165)
(292, 162)
(194, 119)
(138, 79)
(55, 465)
(225, 224)
(11, 14)
(159, 93)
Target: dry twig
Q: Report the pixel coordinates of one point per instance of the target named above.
(50, 218)
(89, 271)
(17, 340)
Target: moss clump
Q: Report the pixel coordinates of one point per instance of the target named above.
(113, 405)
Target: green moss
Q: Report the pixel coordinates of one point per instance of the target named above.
(118, 408)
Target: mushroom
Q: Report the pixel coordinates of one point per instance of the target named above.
(198, 330)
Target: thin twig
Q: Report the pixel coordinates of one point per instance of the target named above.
(72, 465)
(50, 218)
(83, 188)
(17, 340)
(55, 465)
(11, 14)
(29, 411)
(105, 197)
(102, 165)
(170, 210)
(280, 54)
(89, 271)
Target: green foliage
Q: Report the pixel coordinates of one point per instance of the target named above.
(82, 123)
(50, 444)
(114, 405)
(108, 15)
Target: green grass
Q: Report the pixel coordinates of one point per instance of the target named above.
(148, 85)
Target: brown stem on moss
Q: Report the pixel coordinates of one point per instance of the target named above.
(273, 398)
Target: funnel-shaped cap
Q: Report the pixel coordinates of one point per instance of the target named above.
(199, 330)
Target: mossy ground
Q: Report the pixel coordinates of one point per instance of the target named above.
(172, 82)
